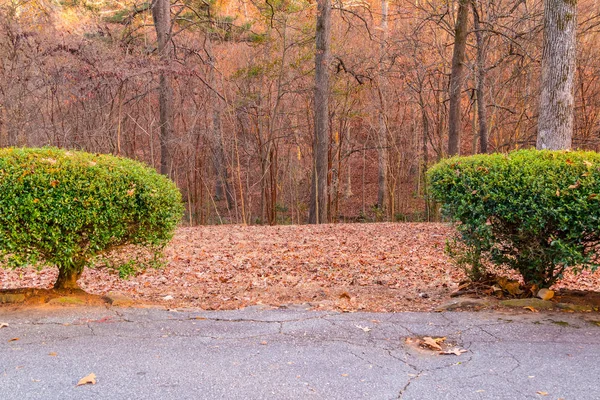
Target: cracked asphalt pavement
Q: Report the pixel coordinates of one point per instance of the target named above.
(293, 353)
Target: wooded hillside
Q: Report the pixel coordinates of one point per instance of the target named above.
(240, 76)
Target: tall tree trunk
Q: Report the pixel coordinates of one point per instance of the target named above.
(382, 153)
(318, 209)
(555, 123)
(161, 14)
(424, 138)
(456, 76)
(348, 140)
(222, 189)
(480, 89)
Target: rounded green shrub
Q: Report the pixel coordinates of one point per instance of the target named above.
(63, 208)
(537, 212)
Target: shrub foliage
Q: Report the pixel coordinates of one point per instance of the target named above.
(537, 212)
(65, 207)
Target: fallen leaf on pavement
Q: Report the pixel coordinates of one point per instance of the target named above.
(3, 325)
(90, 379)
(433, 343)
(457, 351)
(542, 393)
(364, 328)
(530, 309)
(53, 354)
(13, 339)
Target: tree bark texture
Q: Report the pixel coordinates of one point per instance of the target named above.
(555, 123)
(161, 14)
(67, 278)
(318, 209)
(456, 76)
(481, 83)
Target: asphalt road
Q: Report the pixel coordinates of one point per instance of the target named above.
(295, 354)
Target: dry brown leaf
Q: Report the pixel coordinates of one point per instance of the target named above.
(87, 380)
(53, 354)
(13, 339)
(542, 393)
(511, 286)
(345, 296)
(433, 343)
(545, 294)
(575, 186)
(3, 325)
(530, 309)
(457, 351)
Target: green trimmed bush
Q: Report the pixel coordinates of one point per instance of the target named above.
(64, 208)
(537, 212)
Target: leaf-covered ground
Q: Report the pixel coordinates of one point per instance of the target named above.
(375, 267)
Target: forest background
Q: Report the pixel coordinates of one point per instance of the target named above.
(240, 76)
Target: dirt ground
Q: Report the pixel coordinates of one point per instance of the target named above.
(371, 267)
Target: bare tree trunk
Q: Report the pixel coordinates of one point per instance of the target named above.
(555, 123)
(424, 138)
(382, 153)
(222, 189)
(348, 191)
(161, 14)
(456, 76)
(318, 209)
(481, 73)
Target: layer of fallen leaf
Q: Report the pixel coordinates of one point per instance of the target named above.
(374, 267)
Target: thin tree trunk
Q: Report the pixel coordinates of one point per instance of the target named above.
(456, 76)
(161, 14)
(424, 138)
(555, 123)
(318, 209)
(382, 148)
(222, 189)
(481, 74)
